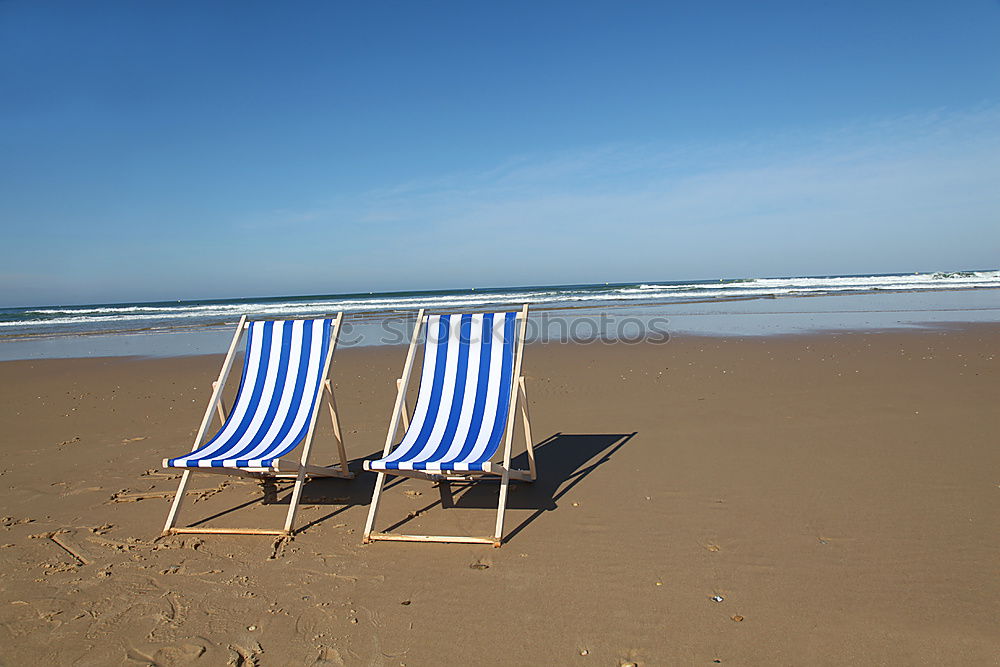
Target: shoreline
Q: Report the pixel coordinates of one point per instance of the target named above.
(984, 328)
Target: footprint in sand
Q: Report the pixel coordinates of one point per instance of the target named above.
(8, 521)
(181, 654)
(241, 656)
(327, 656)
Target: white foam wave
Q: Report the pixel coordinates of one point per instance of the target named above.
(116, 316)
(784, 285)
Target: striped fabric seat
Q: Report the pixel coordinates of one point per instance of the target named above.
(282, 374)
(465, 390)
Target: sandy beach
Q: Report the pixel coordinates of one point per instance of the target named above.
(837, 492)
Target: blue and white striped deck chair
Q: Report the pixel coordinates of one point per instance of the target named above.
(284, 381)
(469, 389)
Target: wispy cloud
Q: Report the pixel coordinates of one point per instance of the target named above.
(916, 187)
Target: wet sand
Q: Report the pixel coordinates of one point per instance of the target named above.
(837, 492)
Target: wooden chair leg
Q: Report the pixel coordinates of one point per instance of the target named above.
(370, 523)
(447, 498)
(509, 428)
(526, 420)
(501, 506)
(338, 434)
(300, 477)
(220, 407)
(175, 508)
(406, 408)
(216, 400)
(293, 505)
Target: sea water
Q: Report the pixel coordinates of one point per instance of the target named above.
(582, 313)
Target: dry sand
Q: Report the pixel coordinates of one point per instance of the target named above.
(839, 493)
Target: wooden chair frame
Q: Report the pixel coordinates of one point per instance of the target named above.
(281, 468)
(518, 397)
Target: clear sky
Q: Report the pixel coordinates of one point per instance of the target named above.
(164, 150)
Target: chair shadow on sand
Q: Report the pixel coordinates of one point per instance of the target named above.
(563, 460)
(319, 491)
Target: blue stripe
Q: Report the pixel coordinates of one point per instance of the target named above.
(436, 388)
(258, 386)
(479, 407)
(506, 377)
(465, 327)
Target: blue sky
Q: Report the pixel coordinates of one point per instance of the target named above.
(164, 150)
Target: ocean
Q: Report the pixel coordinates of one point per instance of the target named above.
(39, 331)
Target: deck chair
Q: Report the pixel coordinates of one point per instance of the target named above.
(284, 380)
(465, 405)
